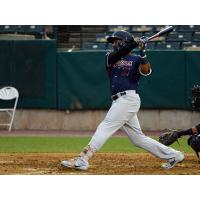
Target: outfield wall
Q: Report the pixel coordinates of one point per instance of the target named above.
(30, 66)
(47, 79)
(89, 120)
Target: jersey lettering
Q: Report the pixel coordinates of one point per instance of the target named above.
(124, 74)
(123, 63)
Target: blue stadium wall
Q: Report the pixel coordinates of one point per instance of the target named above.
(47, 79)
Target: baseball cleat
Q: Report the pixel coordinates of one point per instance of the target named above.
(173, 161)
(76, 163)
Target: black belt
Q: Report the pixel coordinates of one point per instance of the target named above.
(116, 96)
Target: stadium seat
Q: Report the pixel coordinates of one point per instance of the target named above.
(34, 28)
(141, 28)
(179, 37)
(101, 37)
(180, 33)
(137, 34)
(195, 28)
(191, 45)
(3, 28)
(135, 28)
(18, 28)
(94, 46)
(196, 37)
(6, 28)
(187, 28)
(113, 28)
(184, 28)
(22, 29)
(148, 34)
(6, 94)
(168, 45)
(158, 28)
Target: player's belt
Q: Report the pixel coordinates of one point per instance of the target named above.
(116, 96)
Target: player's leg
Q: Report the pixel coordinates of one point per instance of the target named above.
(115, 119)
(119, 113)
(137, 137)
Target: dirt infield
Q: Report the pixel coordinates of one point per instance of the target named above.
(101, 164)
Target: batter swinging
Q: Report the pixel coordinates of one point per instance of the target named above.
(124, 71)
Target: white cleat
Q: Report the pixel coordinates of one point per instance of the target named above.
(76, 163)
(173, 161)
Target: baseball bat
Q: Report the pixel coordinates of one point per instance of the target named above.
(160, 33)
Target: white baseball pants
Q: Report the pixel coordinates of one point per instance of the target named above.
(123, 114)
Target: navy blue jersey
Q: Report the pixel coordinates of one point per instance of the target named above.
(124, 74)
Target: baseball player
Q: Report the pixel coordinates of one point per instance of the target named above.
(124, 72)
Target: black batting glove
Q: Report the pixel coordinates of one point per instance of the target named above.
(142, 46)
(142, 42)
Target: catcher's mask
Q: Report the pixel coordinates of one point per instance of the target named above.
(122, 36)
(194, 142)
(196, 98)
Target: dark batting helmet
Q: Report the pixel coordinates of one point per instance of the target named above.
(124, 36)
(194, 142)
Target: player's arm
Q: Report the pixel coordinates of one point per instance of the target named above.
(196, 129)
(113, 57)
(145, 67)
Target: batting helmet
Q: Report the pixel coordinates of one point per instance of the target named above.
(124, 36)
(194, 142)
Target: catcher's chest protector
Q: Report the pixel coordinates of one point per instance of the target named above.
(194, 142)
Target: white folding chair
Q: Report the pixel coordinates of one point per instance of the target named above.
(9, 93)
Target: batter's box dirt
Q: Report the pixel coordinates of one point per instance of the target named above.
(100, 164)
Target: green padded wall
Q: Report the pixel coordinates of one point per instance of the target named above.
(192, 74)
(165, 87)
(46, 78)
(82, 81)
(30, 66)
(5, 62)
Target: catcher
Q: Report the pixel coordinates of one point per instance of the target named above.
(171, 136)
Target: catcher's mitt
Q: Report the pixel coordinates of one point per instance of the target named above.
(169, 137)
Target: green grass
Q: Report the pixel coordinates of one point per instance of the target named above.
(71, 144)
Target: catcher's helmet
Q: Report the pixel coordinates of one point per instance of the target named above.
(194, 142)
(124, 36)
